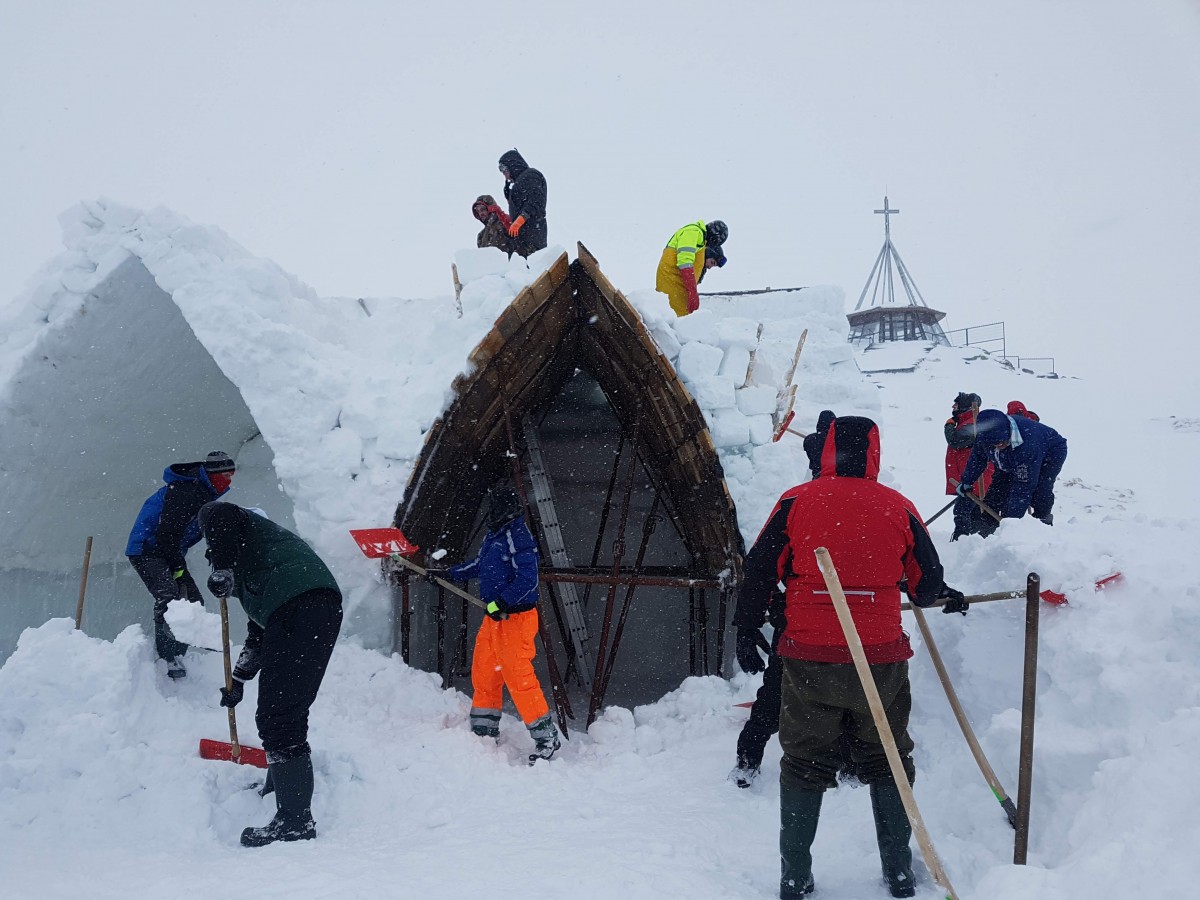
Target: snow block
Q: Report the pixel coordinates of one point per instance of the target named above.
(734, 365)
(762, 429)
(699, 326)
(737, 332)
(697, 360)
(756, 400)
(729, 428)
(477, 262)
(712, 392)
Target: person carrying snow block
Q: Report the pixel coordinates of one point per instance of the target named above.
(495, 224)
(960, 437)
(814, 443)
(1017, 408)
(875, 537)
(507, 569)
(683, 263)
(525, 190)
(294, 607)
(1028, 457)
(164, 531)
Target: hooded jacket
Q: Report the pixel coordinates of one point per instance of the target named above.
(495, 226)
(960, 438)
(815, 442)
(507, 567)
(270, 564)
(166, 525)
(526, 195)
(1030, 462)
(1017, 408)
(875, 537)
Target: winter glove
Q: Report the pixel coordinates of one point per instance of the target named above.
(178, 574)
(688, 274)
(434, 573)
(955, 601)
(747, 651)
(1048, 518)
(964, 489)
(220, 582)
(515, 228)
(496, 610)
(231, 697)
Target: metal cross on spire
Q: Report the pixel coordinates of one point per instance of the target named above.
(887, 218)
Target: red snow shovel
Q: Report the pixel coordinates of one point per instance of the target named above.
(1060, 599)
(390, 543)
(233, 751)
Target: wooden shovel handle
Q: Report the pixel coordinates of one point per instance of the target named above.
(236, 751)
(452, 588)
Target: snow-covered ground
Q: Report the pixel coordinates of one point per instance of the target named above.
(102, 793)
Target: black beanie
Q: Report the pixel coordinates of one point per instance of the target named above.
(218, 461)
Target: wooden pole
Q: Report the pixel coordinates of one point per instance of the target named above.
(938, 514)
(235, 750)
(1028, 702)
(87, 561)
(984, 766)
(457, 289)
(881, 723)
(972, 599)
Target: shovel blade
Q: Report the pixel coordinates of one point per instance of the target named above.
(378, 543)
(222, 751)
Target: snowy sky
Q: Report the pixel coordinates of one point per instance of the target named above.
(1043, 159)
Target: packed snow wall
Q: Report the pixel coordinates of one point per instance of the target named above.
(90, 420)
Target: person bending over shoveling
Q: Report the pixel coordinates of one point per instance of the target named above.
(295, 611)
(507, 569)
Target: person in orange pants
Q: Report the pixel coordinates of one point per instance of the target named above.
(507, 569)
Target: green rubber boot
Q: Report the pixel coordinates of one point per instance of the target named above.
(798, 815)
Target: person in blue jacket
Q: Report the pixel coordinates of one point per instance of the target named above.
(165, 529)
(1028, 457)
(507, 569)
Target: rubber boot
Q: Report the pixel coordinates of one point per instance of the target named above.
(293, 780)
(545, 739)
(798, 815)
(893, 831)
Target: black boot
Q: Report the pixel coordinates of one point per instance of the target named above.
(893, 831)
(798, 815)
(293, 781)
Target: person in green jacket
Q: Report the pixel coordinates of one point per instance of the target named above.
(683, 263)
(294, 608)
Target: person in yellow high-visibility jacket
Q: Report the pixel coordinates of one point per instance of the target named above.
(683, 262)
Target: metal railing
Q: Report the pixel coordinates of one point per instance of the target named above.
(980, 341)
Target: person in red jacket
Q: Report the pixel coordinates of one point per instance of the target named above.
(876, 539)
(1017, 408)
(960, 438)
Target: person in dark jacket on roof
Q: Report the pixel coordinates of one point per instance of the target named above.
(495, 224)
(815, 442)
(876, 539)
(1027, 456)
(163, 533)
(507, 569)
(525, 190)
(294, 608)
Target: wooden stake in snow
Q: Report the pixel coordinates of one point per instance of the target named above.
(87, 560)
(825, 563)
(457, 289)
(753, 357)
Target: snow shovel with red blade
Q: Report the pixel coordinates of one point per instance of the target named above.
(233, 751)
(390, 543)
(1060, 599)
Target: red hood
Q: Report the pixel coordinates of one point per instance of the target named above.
(851, 449)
